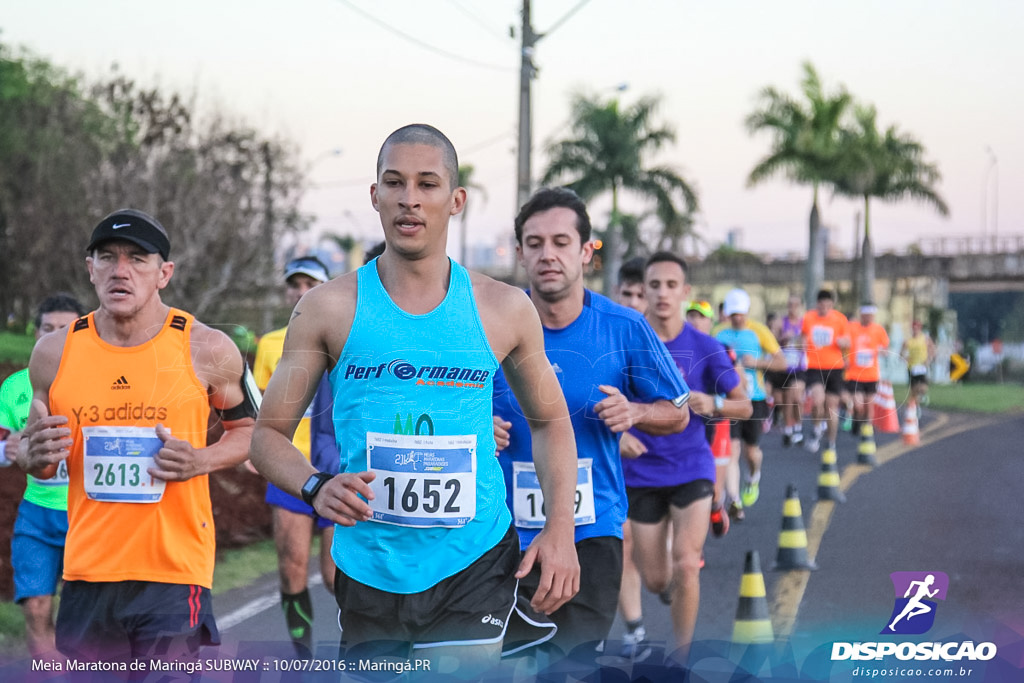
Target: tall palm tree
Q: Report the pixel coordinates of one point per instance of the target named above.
(466, 180)
(607, 153)
(889, 167)
(805, 149)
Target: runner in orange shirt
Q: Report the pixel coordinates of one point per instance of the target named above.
(124, 396)
(825, 337)
(868, 340)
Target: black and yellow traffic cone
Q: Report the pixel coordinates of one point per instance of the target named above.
(793, 537)
(753, 621)
(866, 448)
(828, 480)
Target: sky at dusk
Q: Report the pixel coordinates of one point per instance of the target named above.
(342, 74)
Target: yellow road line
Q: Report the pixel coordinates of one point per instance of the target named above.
(789, 590)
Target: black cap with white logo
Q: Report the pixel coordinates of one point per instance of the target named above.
(134, 226)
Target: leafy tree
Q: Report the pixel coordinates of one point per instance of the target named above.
(805, 149)
(51, 139)
(72, 153)
(726, 254)
(608, 152)
(887, 166)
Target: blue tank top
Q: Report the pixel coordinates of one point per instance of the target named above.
(412, 401)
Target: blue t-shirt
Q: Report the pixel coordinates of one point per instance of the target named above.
(680, 458)
(745, 343)
(607, 344)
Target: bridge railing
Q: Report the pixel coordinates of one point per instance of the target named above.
(971, 244)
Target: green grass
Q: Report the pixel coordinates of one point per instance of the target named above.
(972, 398)
(16, 348)
(12, 632)
(241, 566)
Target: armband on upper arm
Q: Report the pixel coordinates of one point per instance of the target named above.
(251, 399)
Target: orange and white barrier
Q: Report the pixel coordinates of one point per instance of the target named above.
(886, 418)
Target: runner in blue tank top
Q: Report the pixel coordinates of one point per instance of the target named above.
(426, 553)
(615, 375)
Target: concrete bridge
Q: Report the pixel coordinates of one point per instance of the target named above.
(928, 277)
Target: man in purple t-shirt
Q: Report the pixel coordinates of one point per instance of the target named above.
(671, 484)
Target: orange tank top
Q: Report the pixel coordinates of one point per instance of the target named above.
(101, 385)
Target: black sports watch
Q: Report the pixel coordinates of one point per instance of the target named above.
(313, 485)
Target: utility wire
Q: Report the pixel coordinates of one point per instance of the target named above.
(416, 41)
(564, 19)
(480, 22)
(488, 142)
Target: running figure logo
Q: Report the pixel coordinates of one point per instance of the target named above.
(916, 592)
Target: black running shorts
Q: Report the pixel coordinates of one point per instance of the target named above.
(866, 388)
(832, 379)
(650, 504)
(751, 429)
(126, 620)
(470, 607)
(588, 617)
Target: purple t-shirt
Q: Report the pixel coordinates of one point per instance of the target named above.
(680, 458)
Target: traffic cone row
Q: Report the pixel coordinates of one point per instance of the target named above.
(911, 434)
(753, 623)
(828, 480)
(886, 418)
(793, 537)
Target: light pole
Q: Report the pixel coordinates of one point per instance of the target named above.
(994, 167)
(993, 164)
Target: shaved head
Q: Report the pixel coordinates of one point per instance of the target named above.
(422, 134)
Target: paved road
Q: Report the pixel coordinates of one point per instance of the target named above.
(950, 505)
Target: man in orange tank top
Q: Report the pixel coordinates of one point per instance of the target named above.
(123, 396)
(868, 341)
(826, 338)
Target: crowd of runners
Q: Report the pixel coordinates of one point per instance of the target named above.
(492, 472)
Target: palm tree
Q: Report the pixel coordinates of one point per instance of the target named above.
(889, 167)
(805, 148)
(607, 154)
(466, 181)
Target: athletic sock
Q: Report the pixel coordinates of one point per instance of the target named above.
(632, 626)
(298, 615)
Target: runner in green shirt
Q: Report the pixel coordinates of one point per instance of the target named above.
(37, 548)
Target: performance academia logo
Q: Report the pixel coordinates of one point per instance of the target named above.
(916, 592)
(429, 375)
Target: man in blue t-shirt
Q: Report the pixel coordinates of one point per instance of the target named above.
(615, 375)
(671, 485)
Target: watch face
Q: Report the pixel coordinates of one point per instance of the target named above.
(311, 486)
